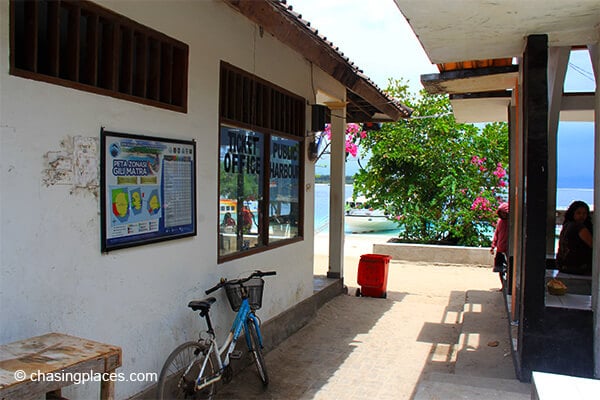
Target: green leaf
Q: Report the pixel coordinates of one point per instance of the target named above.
(422, 169)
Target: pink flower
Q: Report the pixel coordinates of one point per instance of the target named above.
(352, 128)
(481, 203)
(352, 148)
(353, 135)
(328, 131)
(499, 172)
(477, 160)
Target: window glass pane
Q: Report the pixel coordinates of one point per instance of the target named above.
(240, 177)
(284, 201)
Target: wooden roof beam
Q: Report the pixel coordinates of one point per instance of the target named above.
(274, 18)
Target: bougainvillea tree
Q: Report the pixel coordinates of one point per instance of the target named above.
(354, 134)
(442, 180)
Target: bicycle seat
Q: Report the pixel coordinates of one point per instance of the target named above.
(203, 305)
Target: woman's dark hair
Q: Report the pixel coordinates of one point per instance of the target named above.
(570, 213)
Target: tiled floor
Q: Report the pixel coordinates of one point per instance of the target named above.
(367, 348)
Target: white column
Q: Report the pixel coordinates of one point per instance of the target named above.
(558, 58)
(337, 190)
(595, 57)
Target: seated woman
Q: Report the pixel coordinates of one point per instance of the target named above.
(575, 241)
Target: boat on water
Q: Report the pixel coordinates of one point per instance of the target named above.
(361, 217)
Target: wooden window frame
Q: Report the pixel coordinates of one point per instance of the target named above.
(81, 45)
(249, 102)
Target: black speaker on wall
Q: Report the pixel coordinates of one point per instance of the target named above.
(321, 115)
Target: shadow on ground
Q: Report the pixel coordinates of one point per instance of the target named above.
(479, 358)
(304, 363)
(431, 325)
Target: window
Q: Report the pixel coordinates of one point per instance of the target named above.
(284, 207)
(84, 46)
(261, 170)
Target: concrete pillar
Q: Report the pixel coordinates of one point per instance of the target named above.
(595, 57)
(535, 133)
(337, 190)
(515, 194)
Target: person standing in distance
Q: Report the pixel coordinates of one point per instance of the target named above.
(500, 243)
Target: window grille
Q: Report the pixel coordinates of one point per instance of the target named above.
(81, 45)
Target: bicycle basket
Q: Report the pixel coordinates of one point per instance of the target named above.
(254, 289)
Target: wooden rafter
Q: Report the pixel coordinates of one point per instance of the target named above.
(274, 18)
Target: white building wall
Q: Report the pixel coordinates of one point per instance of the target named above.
(53, 277)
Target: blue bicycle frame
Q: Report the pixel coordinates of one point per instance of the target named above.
(240, 323)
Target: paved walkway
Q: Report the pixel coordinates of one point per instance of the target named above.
(438, 323)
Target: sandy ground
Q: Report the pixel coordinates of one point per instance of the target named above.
(415, 275)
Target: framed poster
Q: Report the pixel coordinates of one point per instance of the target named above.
(147, 189)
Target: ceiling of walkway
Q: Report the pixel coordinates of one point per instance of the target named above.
(451, 31)
(459, 35)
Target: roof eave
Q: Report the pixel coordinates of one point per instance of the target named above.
(289, 28)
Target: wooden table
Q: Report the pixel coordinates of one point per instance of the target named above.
(45, 364)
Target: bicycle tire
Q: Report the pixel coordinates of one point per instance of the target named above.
(257, 354)
(172, 384)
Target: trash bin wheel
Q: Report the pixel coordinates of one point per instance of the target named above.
(357, 294)
(384, 296)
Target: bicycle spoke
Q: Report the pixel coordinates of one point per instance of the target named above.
(191, 363)
(257, 353)
(180, 372)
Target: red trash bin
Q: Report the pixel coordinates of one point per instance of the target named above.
(373, 274)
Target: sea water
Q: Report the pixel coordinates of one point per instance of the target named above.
(564, 197)
(322, 205)
(322, 209)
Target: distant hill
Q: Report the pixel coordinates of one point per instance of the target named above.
(352, 167)
(326, 179)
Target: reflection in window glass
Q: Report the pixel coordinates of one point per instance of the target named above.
(284, 202)
(240, 184)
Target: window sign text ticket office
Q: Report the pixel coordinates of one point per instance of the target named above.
(243, 156)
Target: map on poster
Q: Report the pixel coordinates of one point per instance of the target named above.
(148, 189)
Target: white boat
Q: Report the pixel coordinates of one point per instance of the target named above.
(360, 217)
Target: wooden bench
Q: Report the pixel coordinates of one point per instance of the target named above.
(47, 363)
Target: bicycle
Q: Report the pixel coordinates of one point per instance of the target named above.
(193, 368)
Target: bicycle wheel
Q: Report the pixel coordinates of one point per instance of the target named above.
(175, 383)
(257, 353)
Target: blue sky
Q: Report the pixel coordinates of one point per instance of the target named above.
(575, 162)
(368, 33)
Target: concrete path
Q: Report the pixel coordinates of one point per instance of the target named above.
(441, 333)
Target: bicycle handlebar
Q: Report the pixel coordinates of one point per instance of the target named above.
(255, 274)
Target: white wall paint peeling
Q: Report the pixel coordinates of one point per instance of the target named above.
(76, 164)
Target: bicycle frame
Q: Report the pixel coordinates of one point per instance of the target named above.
(240, 322)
